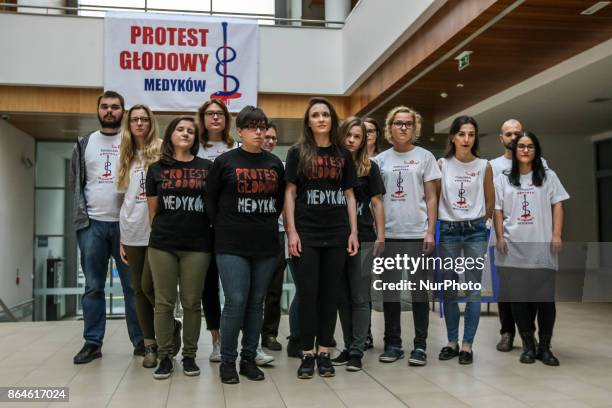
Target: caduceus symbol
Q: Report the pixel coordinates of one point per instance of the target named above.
(526, 212)
(462, 199)
(107, 166)
(399, 182)
(142, 183)
(228, 55)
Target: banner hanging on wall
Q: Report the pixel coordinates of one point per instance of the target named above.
(175, 63)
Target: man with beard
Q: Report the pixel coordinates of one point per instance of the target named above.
(510, 130)
(96, 220)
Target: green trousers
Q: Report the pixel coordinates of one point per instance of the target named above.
(142, 282)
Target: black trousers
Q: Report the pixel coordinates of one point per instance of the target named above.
(317, 273)
(507, 320)
(272, 309)
(211, 302)
(546, 313)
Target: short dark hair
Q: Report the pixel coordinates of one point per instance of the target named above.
(167, 149)
(111, 94)
(250, 114)
(272, 125)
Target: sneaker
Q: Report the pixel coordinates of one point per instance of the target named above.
(249, 369)
(505, 342)
(369, 343)
(342, 358)
(271, 343)
(294, 348)
(324, 364)
(391, 355)
(150, 358)
(139, 349)
(215, 356)
(164, 370)
(262, 358)
(418, 357)
(176, 341)
(306, 370)
(88, 353)
(228, 373)
(190, 368)
(354, 364)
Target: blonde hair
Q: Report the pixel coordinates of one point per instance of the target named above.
(362, 159)
(416, 117)
(128, 147)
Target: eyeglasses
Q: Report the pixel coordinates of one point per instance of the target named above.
(370, 131)
(255, 126)
(142, 119)
(528, 147)
(211, 114)
(111, 107)
(399, 124)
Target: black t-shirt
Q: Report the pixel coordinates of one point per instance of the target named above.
(244, 198)
(366, 188)
(321, 217)
(181, 222)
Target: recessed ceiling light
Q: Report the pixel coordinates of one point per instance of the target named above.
(600, 100)
(595, 8)
(443, 95)
(459, 85)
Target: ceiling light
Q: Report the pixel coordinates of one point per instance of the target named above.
(595, 8)
(443, 95)
(460, 85)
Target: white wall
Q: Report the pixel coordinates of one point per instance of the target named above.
(16, 214)
(67, 51)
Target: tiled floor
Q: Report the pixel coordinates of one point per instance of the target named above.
(41, 354)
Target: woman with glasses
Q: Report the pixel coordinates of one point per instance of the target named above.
(321, 225)
(410, 174)
(214, 122)
(140, 146)
(244, 198)
(180, 242)
(354, 305)
(373, 134)
(466, 202)
(529, 224)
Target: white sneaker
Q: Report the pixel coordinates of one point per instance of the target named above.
(263, 358)
(215, 356)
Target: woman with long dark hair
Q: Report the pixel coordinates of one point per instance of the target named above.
(140, 147)
(373, 135)
(244, 198)
(466, 202)
(529, 225)
(180, 242)
(321, 224)
(354, 305)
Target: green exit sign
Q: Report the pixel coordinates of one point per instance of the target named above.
(463, 59)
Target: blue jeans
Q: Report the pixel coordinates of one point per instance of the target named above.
(469, 237)
(245, 282)
(98, 242)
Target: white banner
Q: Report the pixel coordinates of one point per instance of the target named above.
(175, 63)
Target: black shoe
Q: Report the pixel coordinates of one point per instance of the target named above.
(306, 370)
(176, 341)
(164, 370)
(529, 348)
(190, 368)
(448, 352)
(342, 358)
(391, 355)
(466, 357)
(369, 343)
(139, 349)
(294, 348)
(271, 343)
(249, 369)
(228, 373)
(544, 353)
(88, 353)
(354, 363)
(324, 364)
(418, 357)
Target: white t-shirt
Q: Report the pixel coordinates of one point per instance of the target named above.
(134, 214)
(404, 174)
(528, 219)
(101, 158)
(218, 147)
(462, 196)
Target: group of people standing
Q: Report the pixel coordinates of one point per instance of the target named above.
(194, 208)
